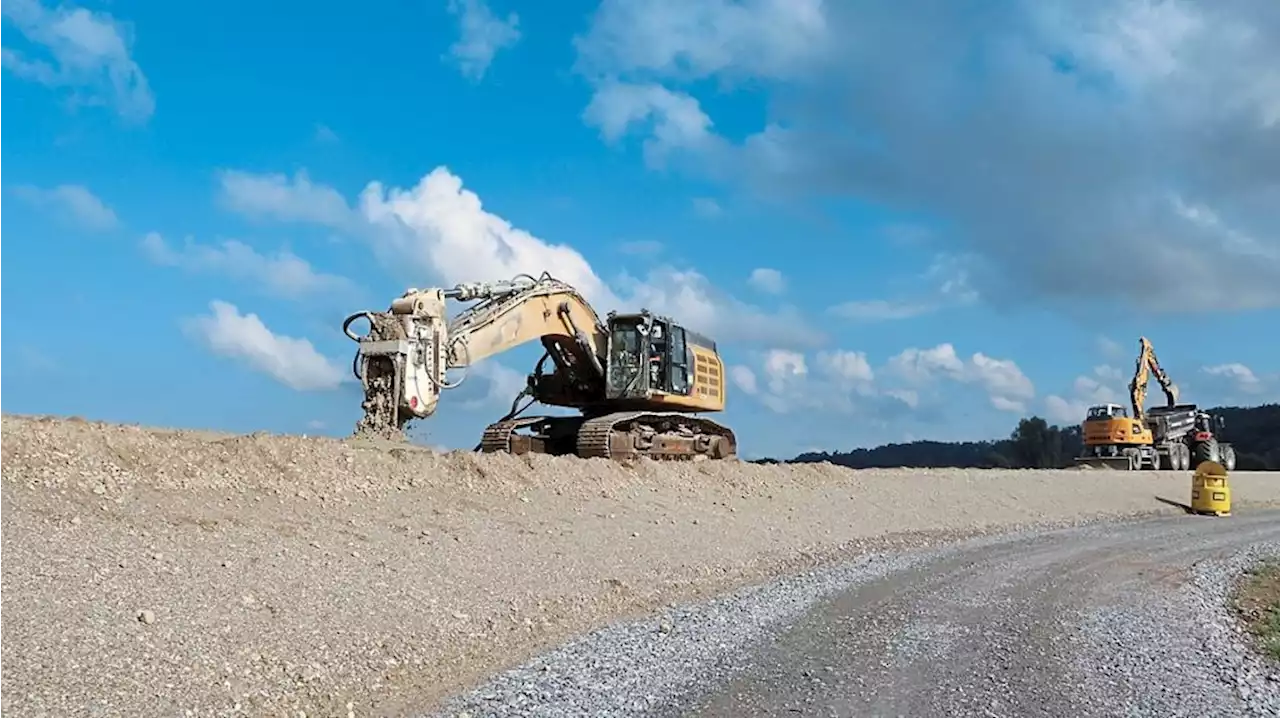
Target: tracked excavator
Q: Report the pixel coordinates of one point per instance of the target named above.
(638, 381)
(1171, 437)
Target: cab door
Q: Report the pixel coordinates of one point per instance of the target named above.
(680, 360)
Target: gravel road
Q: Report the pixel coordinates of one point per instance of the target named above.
(1114, 619)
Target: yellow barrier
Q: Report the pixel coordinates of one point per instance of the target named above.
(1210, 493)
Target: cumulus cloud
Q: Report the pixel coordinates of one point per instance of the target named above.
(1159, 121)
(845, 382)
(767, 280)
(481, 36)
(243, 337)
(438, 230)
(745, 379)
(73, 202)
(89, 52)
(1007, 387)
(1106, 386)
(280, 197)
(283, 273)
(674, 119)
(1241, 378)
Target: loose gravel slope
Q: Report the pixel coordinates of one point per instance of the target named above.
(152, 572)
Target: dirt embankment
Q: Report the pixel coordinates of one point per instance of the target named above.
(153, 572)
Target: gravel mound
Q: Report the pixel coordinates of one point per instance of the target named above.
(154, 572)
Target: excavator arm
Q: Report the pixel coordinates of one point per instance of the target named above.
(1146, 366)
(403, 360)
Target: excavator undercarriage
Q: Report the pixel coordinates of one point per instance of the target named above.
(618, 435)
(638, 380)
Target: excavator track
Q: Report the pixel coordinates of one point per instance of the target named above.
(664, 436)
(661, 435)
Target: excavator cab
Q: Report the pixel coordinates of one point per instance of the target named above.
(648, 355)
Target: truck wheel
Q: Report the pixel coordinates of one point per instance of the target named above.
(1185, 452)
(1228, 457)
(1207, 451)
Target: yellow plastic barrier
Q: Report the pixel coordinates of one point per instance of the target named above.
(1210, 493)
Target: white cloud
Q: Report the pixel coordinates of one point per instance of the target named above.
(1106, 386)
(1004, 381)
(744, 379)
(90, 53)
(1173, 109)
(785, 372)
(439, 231)
(1006, 385)
(1242, 378)
(283, 273)
(279, 197)
(243, 337)
(1065, 411)
(846, 383)
(922, 365)
(438, 228)
(767, 280)
(72, 201)
(676, 119)
(846, 367)
(691, 40)
(1108, 372)
(482, 35)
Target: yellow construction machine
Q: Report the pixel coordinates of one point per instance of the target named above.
(1171, 437)
(637, 380)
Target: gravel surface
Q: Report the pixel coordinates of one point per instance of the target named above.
(155, 572)
(1180, 652)
(1116, 619)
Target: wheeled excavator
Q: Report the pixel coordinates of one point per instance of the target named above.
(1171, 437)
(637, 380)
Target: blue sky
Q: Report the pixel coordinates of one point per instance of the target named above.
(898, 224)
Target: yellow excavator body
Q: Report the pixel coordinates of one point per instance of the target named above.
(639, 380)
(1123, 431)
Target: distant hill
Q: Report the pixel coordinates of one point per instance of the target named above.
(1034, 443)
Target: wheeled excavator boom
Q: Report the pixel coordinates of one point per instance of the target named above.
(637, 380)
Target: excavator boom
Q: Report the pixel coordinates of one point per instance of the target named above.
(1146, 366)
(636, 378)
(402, 362)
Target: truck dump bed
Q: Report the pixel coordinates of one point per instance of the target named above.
(1171, 423)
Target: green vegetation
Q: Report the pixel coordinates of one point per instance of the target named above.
(1257, 603)
(1254, 431)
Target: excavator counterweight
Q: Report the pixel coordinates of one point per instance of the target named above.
(637, 380)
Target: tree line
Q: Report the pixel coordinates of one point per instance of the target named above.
(1037, 444)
